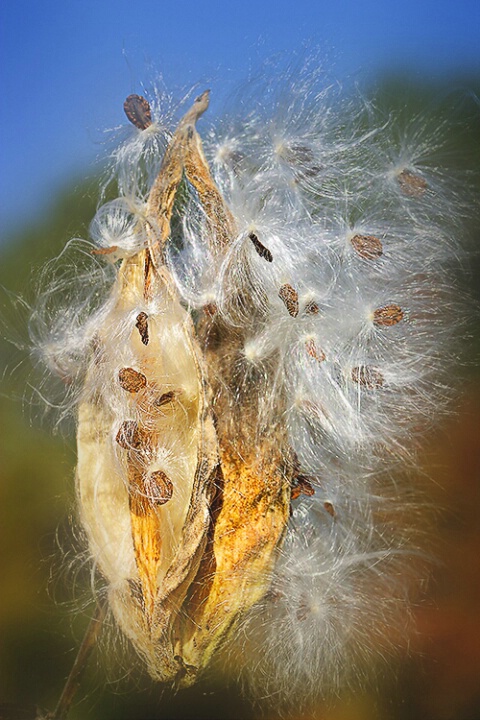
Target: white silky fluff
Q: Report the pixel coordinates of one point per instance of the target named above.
(306, 171)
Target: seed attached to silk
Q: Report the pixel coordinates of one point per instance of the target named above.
(289, 296)
(137, 109)
(131, 380)
(388, 315)
(368, 247)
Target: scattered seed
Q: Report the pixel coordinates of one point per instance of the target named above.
(368, 377)
(311, 308)
(412, 185)
(131, 380)
(313, 351)
(210, 309)
(260, 248)
(137, 109)
(329, 508)
(158, 487)
(142, 326)
(165, 398)
(302, 487)
(388, 315)
(105, 251)
(368, 247)
(130, 436)
(290, 299)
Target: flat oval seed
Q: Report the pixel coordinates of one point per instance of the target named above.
(131, 380)
(388, 315)
(158, 487)
(412, 185)
(368, 377)
(137, 109)
(130, 436)
(368, 247)
(290, 299)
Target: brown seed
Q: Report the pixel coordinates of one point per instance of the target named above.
(329, 508)
(165, 398)
(368, 247)
(313, 351)
(142, 326)
(368, 377)
(311, 308)
(412, 185)
(158, 487)
(290, 299)
(137, 110)
(388, 315)
(260, 248)
(131, 380)
(302, 487)
(210, 309)
(130, 436)
(105, 251)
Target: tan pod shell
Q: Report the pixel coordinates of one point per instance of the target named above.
(183, 514)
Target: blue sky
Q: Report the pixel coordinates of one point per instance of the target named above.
(66, 65)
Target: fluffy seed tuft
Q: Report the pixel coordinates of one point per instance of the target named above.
(241, 439)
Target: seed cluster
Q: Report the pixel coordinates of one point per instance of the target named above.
(254, 380)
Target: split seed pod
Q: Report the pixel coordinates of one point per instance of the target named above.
(182, 516)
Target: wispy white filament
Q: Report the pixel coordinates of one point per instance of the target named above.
(339, 286)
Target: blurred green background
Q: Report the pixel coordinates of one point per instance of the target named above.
(44, 602)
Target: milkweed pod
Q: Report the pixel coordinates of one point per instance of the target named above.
(183, 515)
(148, 550)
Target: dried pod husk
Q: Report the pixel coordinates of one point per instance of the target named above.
(138, 542)
(184, 512)
(252, 510)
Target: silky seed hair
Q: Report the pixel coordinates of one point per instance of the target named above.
(288, 339)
